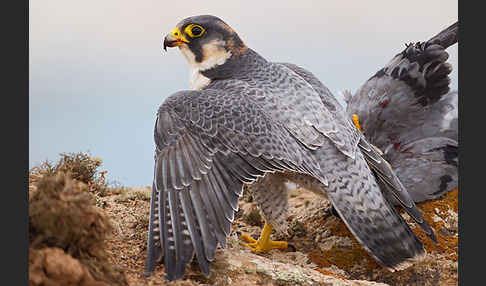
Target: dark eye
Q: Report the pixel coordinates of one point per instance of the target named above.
(196, 31)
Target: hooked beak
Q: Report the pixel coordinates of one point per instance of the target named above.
(174, 39)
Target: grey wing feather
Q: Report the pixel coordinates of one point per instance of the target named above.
(363, 207)
(343, 135)
(154, 248)
(201, 164)
(383, 171)
(389, 181)
(368, 214)
(447, 37)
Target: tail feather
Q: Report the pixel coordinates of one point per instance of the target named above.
(374, 222)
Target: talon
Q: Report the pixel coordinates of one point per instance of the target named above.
(245, 244)
(292, 248)
(356, 122)
(263, 244)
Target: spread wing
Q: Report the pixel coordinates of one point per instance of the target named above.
(208, 144)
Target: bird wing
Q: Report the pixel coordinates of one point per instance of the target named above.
(390, 182)
(208, 144)
(398, 98)
(381, 168)
(290, 99)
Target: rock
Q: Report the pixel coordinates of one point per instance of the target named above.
(52, 266)
(245, 268)
(452, 221)
(335, 241)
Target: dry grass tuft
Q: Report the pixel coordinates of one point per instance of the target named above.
(63, 217)
(81, 167)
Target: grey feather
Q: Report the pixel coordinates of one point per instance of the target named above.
(390, 182)
(446, 37)
(428, 167)
(182, 240)
(154, 256)
(406, 249)
(369, 216)
(194, 231)
(204, 193)
(398, 97)
(227, 186)
(222, 208)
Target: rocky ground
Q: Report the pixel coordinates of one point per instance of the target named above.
(325, 253)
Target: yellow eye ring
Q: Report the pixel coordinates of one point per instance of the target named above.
(194, 30)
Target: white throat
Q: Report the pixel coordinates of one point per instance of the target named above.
(214, 54)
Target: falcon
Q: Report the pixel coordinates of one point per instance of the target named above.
(407, 110)
(250, 121)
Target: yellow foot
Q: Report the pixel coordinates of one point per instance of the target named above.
(263, 244)
(356, 121)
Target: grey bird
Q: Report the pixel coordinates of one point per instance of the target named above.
(251, 121)
(408, 111)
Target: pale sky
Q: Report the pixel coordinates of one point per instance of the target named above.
(98, 73)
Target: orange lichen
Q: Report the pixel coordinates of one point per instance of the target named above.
(347, 258)
(319, 259)
(447, 201)
(340, 229)
(325, 272)
(446, 244)
(343, 258)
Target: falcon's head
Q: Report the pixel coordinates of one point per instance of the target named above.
(206, 41)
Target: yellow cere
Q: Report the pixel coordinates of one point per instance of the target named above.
(176, 33)
(194, 30)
